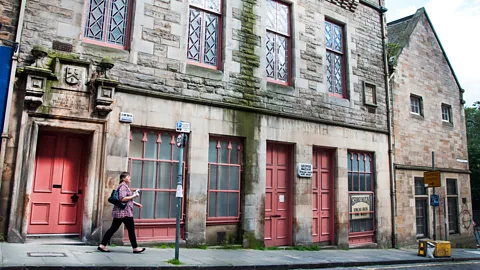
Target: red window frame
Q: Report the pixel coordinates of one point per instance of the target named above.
(105, 24)
(367, 190)
(287, 36)
(339, 53)
(204, 10)
(218, 163)
(157, 160)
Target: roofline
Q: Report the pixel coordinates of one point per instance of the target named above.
(401, 20)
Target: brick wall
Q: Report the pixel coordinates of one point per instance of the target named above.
(156, 60)
(9, 10)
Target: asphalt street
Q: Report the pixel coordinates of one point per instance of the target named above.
(423, 266)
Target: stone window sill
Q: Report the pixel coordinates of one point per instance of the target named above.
(281, 89)
(417, 116)
(447, 124)
(203, 72)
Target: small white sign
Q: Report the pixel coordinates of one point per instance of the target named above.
(126, 117)
(281, 198)
(462, 160)
(304, 170)
(183, 127)
(179, 193)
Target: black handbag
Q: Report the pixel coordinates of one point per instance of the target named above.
(115, 200)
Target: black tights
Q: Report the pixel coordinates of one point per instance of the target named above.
(128, 221)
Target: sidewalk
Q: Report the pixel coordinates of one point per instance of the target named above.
(22, 256)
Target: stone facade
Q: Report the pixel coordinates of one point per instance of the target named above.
(9, 10)
(422, 70)
(159, 86)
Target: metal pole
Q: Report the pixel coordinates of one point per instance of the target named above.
(179, 196)
(445, 217)
(434, 212)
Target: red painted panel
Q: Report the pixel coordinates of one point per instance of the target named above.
(322, 182)
(278, 217)
(59, 166)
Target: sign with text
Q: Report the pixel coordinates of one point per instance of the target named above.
(359, 205)
(183, 127)
(304, 170)
(431, 179)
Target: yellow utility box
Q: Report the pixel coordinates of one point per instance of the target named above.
(442, 248)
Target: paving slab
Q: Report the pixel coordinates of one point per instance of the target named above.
(16, 256)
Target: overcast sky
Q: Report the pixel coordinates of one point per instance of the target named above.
(457, 23)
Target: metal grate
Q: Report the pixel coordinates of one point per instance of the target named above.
(62, 46)
(46, 254)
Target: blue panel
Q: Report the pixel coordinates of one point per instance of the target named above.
(5, 65)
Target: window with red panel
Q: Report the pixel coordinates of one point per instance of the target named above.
(278, 42)
(108, 22)
(153, 165)
(204, 32)
(361, 191)
(224, 173)
(335, 59)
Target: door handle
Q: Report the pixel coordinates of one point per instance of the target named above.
(74, 197)
(275, 216)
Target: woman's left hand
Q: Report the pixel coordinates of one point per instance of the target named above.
(139, 205)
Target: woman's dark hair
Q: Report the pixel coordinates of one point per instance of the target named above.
(123, 175)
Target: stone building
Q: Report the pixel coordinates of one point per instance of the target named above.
(267, 86)
(428, 113)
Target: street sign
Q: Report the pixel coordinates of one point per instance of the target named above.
(431, 179)
(434, 200)
(183, 127)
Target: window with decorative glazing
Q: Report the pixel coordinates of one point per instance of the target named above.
(360, 187)
(224, 171)
(107, 22)
(204, 29)
(153, 165)
(278, 41)
(335, 58)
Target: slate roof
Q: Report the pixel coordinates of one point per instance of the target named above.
(399, 32)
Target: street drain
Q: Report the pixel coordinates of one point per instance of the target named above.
(46, 254)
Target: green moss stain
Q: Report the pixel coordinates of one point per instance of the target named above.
(245, 81)
(253, 242)
(47, 98)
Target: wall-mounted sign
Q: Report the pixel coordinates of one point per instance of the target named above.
(360, 204)
(126, 117)
(434, 200)
(304, 170)
(431, 179)
(462, 160)
(183, 127)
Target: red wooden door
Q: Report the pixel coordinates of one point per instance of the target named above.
(278, 196)
(56, 199)
(323, 213)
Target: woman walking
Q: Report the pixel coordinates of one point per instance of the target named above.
(124, 216)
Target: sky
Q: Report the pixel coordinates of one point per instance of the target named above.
(457, 23)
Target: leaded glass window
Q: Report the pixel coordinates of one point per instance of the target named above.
(107, 22)
(278, 41)
(204, 32)
(452, 201)
(334, 42)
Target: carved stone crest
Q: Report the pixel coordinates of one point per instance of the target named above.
(72, 75)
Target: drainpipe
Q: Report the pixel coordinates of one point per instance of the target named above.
(13, 70)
